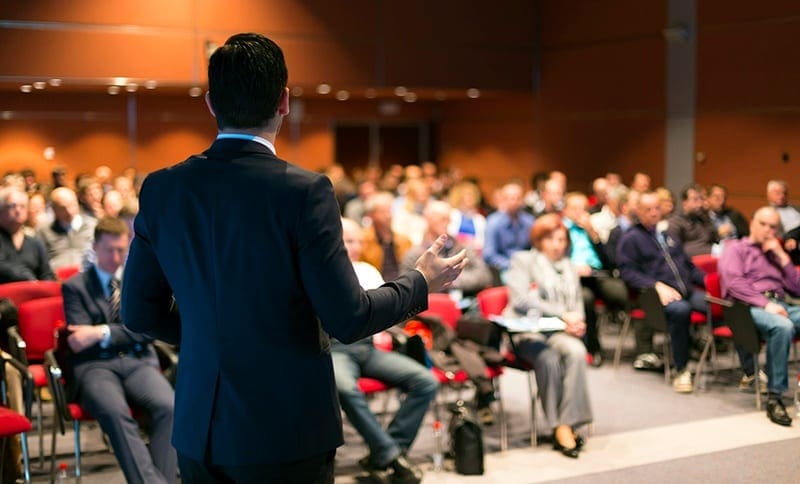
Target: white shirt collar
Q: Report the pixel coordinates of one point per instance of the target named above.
(249, 137)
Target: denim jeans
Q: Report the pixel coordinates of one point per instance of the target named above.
(678, 315)
(361, 359)
(778, 332)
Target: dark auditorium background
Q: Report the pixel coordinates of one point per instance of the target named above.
(577, 85)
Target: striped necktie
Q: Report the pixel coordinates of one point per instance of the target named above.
(114, 300)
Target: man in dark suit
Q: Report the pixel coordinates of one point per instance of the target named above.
(251, 247)
(113, 366)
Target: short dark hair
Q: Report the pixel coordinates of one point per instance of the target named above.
(112, 226)
(246, 78)
(691, 187)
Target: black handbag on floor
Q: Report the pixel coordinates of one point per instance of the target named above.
(466, 440)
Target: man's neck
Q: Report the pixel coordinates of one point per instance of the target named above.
(265, 133)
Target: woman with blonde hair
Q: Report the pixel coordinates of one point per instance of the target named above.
(467, 225)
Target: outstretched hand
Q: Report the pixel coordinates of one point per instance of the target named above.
(438, 271)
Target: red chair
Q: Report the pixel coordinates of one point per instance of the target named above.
(11, 422)
(38, 321)
(714, 314)
(491, 302)
(706, 263)
(65, 272)
(22, 291)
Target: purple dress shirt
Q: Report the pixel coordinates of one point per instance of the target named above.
(746, 272)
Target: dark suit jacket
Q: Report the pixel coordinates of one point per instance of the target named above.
(85, 303)
(252, 248)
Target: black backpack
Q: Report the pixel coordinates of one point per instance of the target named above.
(466, 440)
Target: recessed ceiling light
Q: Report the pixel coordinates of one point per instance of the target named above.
(195, 91)
(113, 90)
(324, 89)
(370, 93)
(410, 97)
(131, 87)
(39, 85)
(473, 93)
(297, 91)
(26, 88)
(400, 91)
(55, 82)
(119, 81)
(151, 84)
(342, 95)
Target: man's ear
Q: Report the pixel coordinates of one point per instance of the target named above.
(208, 103)
(283, 104)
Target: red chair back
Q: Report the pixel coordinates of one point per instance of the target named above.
(38, 320)
(714, 290)
(65, 272)
(22, 291)
(442, 306)
(492, 301)
(706, 263)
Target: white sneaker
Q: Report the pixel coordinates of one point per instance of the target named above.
(683, 382)
(746, 383)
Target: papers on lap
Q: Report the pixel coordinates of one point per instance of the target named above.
(523, 324)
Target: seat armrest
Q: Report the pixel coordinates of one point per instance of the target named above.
(17, 345)
(720, 301)
(27, 382)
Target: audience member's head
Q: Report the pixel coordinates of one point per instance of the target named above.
(59, 175)
(648, 209)
(90, 191)
(112, 203)
(37, 210)
(628, 202)
(13, 209)
(111, 239)
(65, 205)
(437, 216)
(575, 204)
(560, 177)
(600, 189)
(615, 197)
(353, 237)
(511, 198)
(667, 201)
(103, 175)
(465, 196)
(247, 83)
(613, 179)
(378, 208)
(553, 195)
(692, 199)
(640, 182)
(765, 225)
(549, 236)
(538, 180)
(777, 193)
(717, 196)
(366, 189)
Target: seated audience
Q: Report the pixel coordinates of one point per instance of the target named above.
(552, 197)
(361, 359)
(37, 214)
(692, 227)
(778, 197)
(383, 248)
(90, 197)
(666, 202)
(467, 225)
(544, 280)
(757, 271)
(728, 222)
(599, 195)
(22, 258)
(588, 257)
(112, 203)
(475, 276)
(69, 236)
(650, 258)
(355, 208)
(113, 366)
(507, 229)
(606, 218)
(407, 217)
(533, 198)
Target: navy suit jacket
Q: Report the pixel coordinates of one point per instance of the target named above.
(251, 246)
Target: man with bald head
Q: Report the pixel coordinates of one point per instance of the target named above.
(757, 271)
(70, 235)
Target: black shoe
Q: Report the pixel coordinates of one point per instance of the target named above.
(403, 472)
(777, 413)
(579, 442)
(573, 452)
(597, 359)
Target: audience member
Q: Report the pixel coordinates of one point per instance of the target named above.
(407, 217)
(778, 197)
(383, 248)
(614, 180)
(757, 271)
(59, 175)
(666, 202)
(37, 214)
(640, 182)
(70, 235)
(103, 176)
(589, 260)
(729, 222)
(90, 198)
(627, 201)
(22, 257)
(533, 198)
(552, 198)
(507, 229)
(31, 184)
(467, 225)
(692, 227)
(544, 280)
(604, 220)
(387, 448)
(599, 195)
(113, 366)
(476, 274)
(650, 258)
(112, 203)
(355, 209)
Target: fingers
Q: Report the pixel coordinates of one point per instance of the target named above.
(438, 244)
(456, 259)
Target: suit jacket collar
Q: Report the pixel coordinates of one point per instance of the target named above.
(224, 147)
(97, 293)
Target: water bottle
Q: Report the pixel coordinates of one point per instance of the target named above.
(438, 455)
(62, 477)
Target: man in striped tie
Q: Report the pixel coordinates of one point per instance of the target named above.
(113, 366)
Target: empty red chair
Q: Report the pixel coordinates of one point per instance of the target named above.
(22, 291)
(65, 272)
